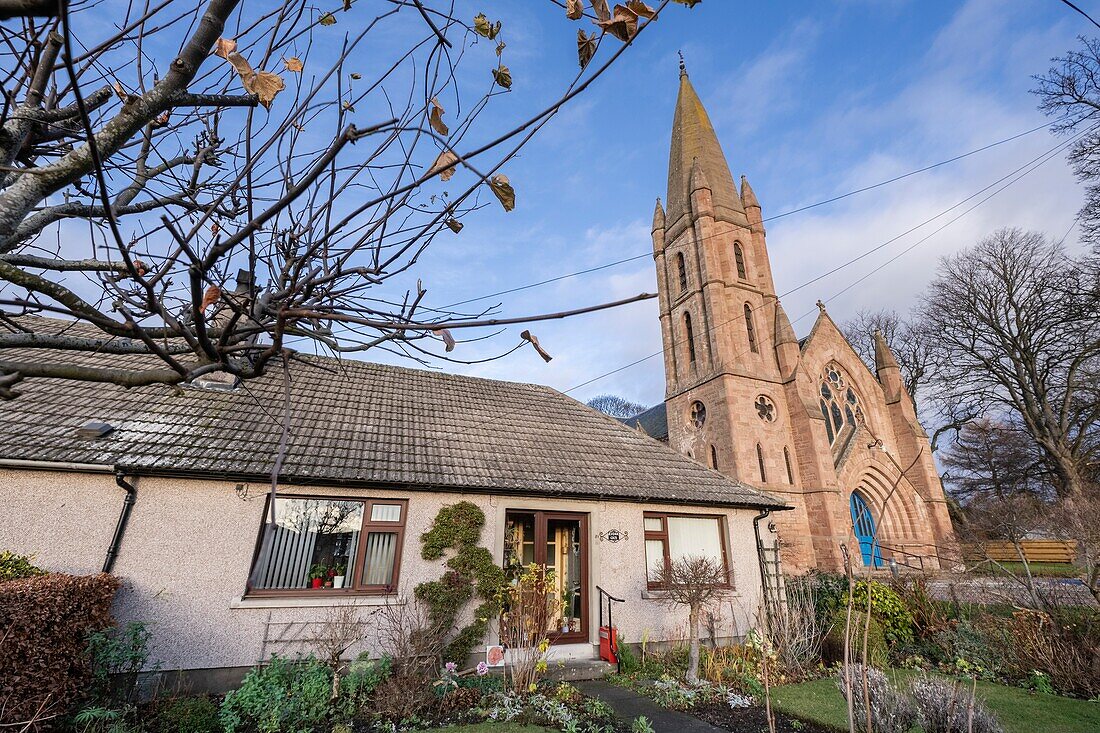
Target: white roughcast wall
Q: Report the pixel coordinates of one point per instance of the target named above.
(186, 554)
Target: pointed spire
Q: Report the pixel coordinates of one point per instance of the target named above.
(748, 197)
(784, 331)
(884, 358)
(658, 217)
(694, 139)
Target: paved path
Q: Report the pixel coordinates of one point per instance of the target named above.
(981, 589)
(628, 705)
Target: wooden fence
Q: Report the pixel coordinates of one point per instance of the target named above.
(1055, 551)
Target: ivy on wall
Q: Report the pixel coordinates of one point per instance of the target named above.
(470, 570)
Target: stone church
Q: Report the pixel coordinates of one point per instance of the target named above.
(803, 419)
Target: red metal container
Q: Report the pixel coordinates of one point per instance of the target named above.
(609, 646)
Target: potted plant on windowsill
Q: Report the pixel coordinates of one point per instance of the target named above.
(338, 571)
(317, 575)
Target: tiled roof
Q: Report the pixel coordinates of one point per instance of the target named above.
(360, 423)
(654, 422)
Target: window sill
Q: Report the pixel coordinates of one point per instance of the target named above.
(662, 595)
(389, 599)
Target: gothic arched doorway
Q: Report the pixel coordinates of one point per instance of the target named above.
(863, 524)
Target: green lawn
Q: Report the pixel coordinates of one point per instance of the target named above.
(1038, 569)
(1019, 711)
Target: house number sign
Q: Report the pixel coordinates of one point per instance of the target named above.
(613, 535)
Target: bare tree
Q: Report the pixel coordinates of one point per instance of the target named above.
(1070, 92)
(994, 459)
(695, 582)
(1017, 325)
(214, 185)
(906, 338)
(616, 406)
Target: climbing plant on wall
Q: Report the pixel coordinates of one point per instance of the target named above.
(470, 570)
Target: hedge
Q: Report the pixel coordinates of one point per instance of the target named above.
(44, 621)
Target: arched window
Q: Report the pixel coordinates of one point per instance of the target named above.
(681, 269)
(739, 259)
(787, 460)
(760, 461)
(714, 458)
(750, 328)
(839, 404)
(690, 336)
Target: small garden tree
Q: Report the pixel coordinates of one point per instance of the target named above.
(695, 582)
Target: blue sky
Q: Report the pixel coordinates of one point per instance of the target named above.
(810, 100)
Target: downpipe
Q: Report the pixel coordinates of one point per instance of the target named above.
(123, 519)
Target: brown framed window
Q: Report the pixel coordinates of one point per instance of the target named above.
(689, 336)
(750, 328)
(681, 271)
(671, 537)
(739, 260)
(329, 545)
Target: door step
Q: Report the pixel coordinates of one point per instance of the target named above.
(579, 670)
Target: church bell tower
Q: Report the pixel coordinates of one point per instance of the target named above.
(728, 345)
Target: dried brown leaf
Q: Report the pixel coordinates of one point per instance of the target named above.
(265, 85)
(528, 336)
(448, 339)
(484, 28)
(574, 9)
(140, 268)
(356, 75)
(503, 76)
(599, 7)
(435, 119)
(444, 165)
(689, 3)
(500, 47)
(502, 187)
(224, 46)
(162, 119)
(641, 9)
(293, 64)
(623, 24)
(210, 297)
(455, 225)
(327, 19)
(119, 91)
(347, 5)
(586, 47)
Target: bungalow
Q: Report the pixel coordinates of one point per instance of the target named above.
(169, 488)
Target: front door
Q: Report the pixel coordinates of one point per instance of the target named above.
(558, 541)
(863, 523)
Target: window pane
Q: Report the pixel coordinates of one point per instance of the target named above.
(380, 553)
(385, 513)
(315, 537)
(654, 558)
(653, 524)
(694, 537)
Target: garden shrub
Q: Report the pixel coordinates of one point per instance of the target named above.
(944, 706)
(17, 567)
(45, 620)
(887, 605)
(117, 656)
(1063, 645)
(458, 527)
(832, 648)
(187, 715)
(282, 695)
(891, 711)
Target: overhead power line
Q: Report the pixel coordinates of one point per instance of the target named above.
(1015, 176)
(1082, 12)
(798, 210)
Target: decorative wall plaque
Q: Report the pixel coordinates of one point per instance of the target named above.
(613, 535)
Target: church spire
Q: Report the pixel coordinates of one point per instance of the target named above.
(695, 142)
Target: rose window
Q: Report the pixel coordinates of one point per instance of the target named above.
(765, 408)
(698, 414)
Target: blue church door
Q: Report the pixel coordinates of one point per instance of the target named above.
(864, 525)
